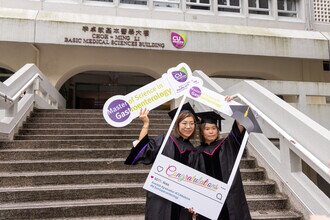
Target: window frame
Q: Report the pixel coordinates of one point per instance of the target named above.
(230, 7)
(167, 2)
(258, 9)
(286, 11)
(199, 4)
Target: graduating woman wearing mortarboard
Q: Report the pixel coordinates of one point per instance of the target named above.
(216, 158)
(178, 147)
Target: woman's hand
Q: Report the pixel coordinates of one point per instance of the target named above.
(144, 116)
(193, 212)
(228, 98)
(145, 119)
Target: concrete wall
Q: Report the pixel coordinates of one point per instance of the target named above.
(61, 62)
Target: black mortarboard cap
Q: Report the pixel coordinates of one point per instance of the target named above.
(211, 117)
(185, 107)
(244, 115)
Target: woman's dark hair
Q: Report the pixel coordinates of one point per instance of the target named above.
(201, 129)
(183, 115)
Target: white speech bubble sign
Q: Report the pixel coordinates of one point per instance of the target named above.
(120, 110)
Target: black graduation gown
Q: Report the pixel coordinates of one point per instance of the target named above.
(158, 208)
(217, 160)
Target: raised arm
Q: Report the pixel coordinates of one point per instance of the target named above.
(228, 99)
(145, 120)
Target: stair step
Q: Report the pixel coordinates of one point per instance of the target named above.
(116, 217)
(96, 191)
(263, 215)
(66, 165)
(92, 131)
(154, 111)
(253, 174)
(74, 153)
(43, 165)
(247, 162)
(91, 143)
(89, 126)
(265, 187)
(75, 137)
(88, 120)
(115, 206)
(275, 215)
(91, 176)
(76, 143)
(85, 115)
(75, 208)
(266, 202)
(20, 179)
(71, 192)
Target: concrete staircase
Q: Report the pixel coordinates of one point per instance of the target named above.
(69, 164)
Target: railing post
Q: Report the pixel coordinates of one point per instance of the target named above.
(290, 161)
(295, 161)
(36, 85)
(284, 154)
(12, 110)
(30, 89)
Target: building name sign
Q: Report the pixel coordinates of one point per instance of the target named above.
(114, 36)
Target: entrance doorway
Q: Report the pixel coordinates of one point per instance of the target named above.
(5, 74)
(90, 90)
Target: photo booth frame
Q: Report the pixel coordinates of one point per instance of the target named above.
(168, 178)
(186, 186)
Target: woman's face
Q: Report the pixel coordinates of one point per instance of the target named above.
(187, 127)
(210, 132)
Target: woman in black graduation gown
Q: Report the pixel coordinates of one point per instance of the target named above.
(216, 157)
(178, 147)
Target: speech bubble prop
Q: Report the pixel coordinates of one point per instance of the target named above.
(120, 110)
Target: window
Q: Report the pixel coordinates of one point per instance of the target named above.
(287, 8)
(167, 3)
(198, 4)
(102, 0)
(134, 2)
(229, 6)
(259, 7)
(326, 65)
